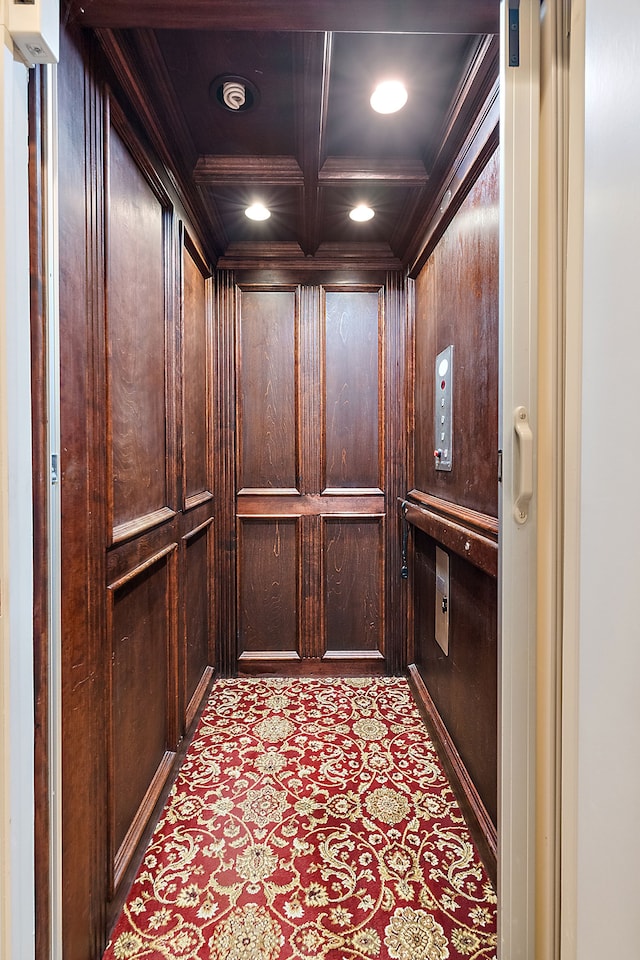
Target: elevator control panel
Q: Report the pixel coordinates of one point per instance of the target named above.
(443, 421)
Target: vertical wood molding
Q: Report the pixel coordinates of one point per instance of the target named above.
(397, 319)
(225, 461)
(410, 414)
(96, 118)
(311, 321)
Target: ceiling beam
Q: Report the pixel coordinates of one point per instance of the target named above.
(360, 16)
(398, 171)
(219, 170)
(313, 74)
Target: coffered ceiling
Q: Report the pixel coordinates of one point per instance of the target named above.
(308, 145)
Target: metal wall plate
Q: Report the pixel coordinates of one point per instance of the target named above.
(443, 601)
(443, 412)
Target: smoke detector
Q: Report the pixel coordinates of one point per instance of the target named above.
(233, 93)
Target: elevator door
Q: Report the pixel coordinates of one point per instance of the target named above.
(311, 507)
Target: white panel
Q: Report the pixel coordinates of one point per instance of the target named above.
(16, 532)
(608, 769)
(519, 116)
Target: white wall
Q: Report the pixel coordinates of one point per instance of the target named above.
(16, 542)
(608, 654)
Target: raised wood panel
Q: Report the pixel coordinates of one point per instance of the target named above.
(268, 390)
(268, 587)
(196, 373)
(142, 686)
(457, 303)
(139, 362)
(462, 685)
(197, 584)
(353, 586)
(353, 433)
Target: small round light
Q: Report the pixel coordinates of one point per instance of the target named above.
(257, 211)
(389, 96)
(361, 213)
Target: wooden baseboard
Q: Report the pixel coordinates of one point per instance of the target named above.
(478, 820)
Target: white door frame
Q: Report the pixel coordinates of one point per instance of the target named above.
(519, 123)
(17, 912)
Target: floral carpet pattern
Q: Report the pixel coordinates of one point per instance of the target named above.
(310, 819)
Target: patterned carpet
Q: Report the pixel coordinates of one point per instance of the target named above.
(310, 819)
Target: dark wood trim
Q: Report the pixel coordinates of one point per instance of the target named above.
(278, 655)
(224, 482)
(401, 171)
(410, 420)
(460, 538)
(476, 85)
(95, 395)
(482, 522)
(190, 503)
(478, 820)
(314, 53)
(198, 530)
(186, 243)
(130, 843)
(465, 170)
(251, 504)
(397, 323)
(216, 170)
(133, 528)
(371, 666)
(347, 257)
(403, 16)
(198, 697)
(176, 150)
(41, 481)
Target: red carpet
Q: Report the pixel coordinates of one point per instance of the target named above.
(311, 819)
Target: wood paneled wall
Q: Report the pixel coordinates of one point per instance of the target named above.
(138, 518)
(456, 298)
(316, 418)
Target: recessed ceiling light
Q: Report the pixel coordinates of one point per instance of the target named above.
(389, 96)
(257, 211)
(234, 93)
(361, 213)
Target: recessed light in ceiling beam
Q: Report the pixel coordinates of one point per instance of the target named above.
(257, 211)
(361, 213)
(389, 96)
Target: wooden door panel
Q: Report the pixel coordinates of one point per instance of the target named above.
(138, 417)
(352, 435)
(310, 537)
(353, 586)
(268, 390)
(142, 736)
(268, 587)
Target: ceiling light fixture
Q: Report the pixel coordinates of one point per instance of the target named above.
(361, 213)
(233, 93)
(389, 96)
(257, 211)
